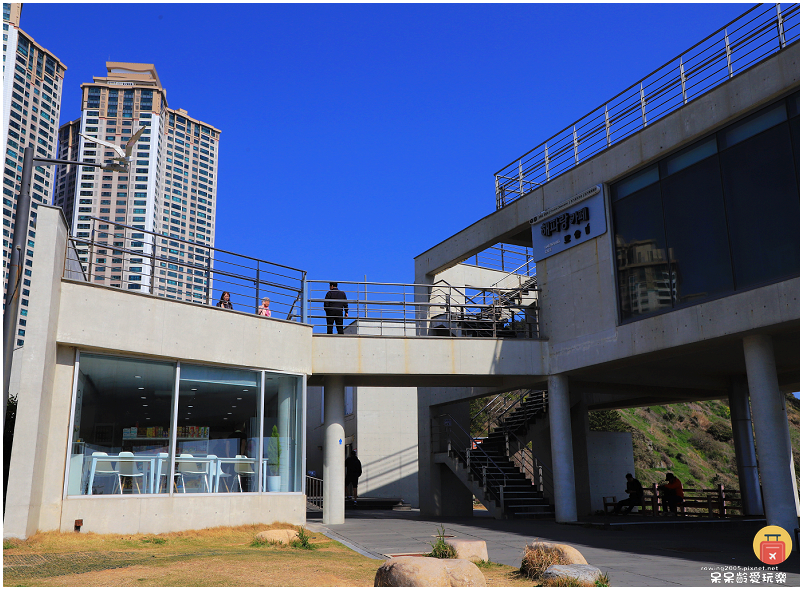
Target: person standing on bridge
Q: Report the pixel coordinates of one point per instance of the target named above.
(335, 308)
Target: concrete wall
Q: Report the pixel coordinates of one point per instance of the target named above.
(610, 458)
(386, 440)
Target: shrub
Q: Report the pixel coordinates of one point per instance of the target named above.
(607, 421)
(440, 549)
(154, 540)
(303, 540)
(721, 432)
(565, 582)
(538, 559)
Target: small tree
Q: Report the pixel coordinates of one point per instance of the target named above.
(274, 452)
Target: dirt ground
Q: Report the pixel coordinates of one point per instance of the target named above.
(223, 556)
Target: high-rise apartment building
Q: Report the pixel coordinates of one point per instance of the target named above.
(32, 83)
(169, 189)
(68, 149)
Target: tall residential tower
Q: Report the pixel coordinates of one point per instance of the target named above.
(32, 81)
(170, 188)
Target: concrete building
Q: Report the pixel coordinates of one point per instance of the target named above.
(170, 189)
(685, 289)
(69, 142)
(659, 279)
(32, 85)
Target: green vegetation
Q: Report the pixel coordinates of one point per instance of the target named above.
(303, 540)
(693, 440)
(154, 540)
(537, 559)
(440, 549)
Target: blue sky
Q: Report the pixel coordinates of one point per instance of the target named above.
(355, 137)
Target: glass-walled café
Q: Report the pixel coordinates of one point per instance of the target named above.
(144, 427)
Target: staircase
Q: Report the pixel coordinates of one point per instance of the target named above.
(500, 470)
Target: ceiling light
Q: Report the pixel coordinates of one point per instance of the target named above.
(141, 388)
(245, 390)
(229, 413)
(144, 397)
(194, 389)
(189, 406)
(233, 406)
(238, 398)
(137, 376)
(144, 405)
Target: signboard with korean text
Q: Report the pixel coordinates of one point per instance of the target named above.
(576, 220)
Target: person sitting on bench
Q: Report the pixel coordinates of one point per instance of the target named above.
(671, 493)
(635, 495)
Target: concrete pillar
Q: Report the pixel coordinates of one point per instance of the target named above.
(579, 423)
(561, 444)
(771, 433)
(285, 399)
(333, 455)
(746, 466)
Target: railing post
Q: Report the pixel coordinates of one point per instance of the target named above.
(304, 300)
(683, 83)
(728, 55)
(208, 276)
(485, 486)
(153, 267)
(258, 285)
(781, 37)
(502, 499)
(546, 162)
(91, 252)
(608, 129)
(497, 196)
(722, 511)
(521, 177)
(643, 102)
(575, 144)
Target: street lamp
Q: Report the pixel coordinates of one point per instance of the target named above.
(121, 164)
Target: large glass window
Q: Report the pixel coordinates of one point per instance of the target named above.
(716, 217)
(217, 449)
(233, 430)
(123, 413)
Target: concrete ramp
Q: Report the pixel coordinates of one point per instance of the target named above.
(385, 361)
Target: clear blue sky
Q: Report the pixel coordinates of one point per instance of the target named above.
(355, 137)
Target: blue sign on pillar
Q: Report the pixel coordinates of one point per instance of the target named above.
(576, 220)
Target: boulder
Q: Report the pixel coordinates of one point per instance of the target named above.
(284, 536)
(585, 573)
(472, 550)
(428, 571)
(570, 554)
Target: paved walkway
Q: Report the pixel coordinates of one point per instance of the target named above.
(638, 557)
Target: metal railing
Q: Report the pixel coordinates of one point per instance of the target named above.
(314, 492)
(408, 309)
(128, 257)
(505, 257)
(533, 468)
(750, 38)
(489, 475)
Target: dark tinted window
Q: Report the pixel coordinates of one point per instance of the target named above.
(763, 207)
(694, 217)
(642, 268)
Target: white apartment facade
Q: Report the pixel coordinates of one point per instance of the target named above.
(169, 189)
(32, 85)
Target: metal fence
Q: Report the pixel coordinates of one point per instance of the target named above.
(407, 309)
(752, 37)
(126, 257)
(314, 492)
(507, 258)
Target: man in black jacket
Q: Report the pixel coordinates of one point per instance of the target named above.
(335, 308)
(635, 495)
(352, 471)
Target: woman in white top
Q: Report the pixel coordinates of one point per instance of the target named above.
(264, 309)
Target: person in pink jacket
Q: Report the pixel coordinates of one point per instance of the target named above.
(264, 309)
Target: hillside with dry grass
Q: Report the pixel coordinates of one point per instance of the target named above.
(693, 440)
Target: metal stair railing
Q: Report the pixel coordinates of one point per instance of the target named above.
(486, 418)
(541, 475)
(314, 491)
(464, 446)
(532, 404)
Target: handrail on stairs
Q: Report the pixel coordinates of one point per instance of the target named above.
(534, 467)
(470, 445)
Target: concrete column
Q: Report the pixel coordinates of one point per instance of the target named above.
(561, 444)
(333, 455)
(285, 398)
(771, 433)
(579, 424)
(746, 466)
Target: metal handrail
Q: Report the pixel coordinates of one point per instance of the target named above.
(201, 266)
(753, 35)
(487, 479)
(314, 491)
(534, 467)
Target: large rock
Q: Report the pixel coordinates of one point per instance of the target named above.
(284, 536)
(472, 550)
(570, 554)
(428, 571)
(585, 573)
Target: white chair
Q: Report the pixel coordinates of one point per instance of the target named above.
(127, 468)
(192, 468)
(243, 468)
(162, 473)
(103, 468)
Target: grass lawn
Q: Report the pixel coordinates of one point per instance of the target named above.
(222, 556)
